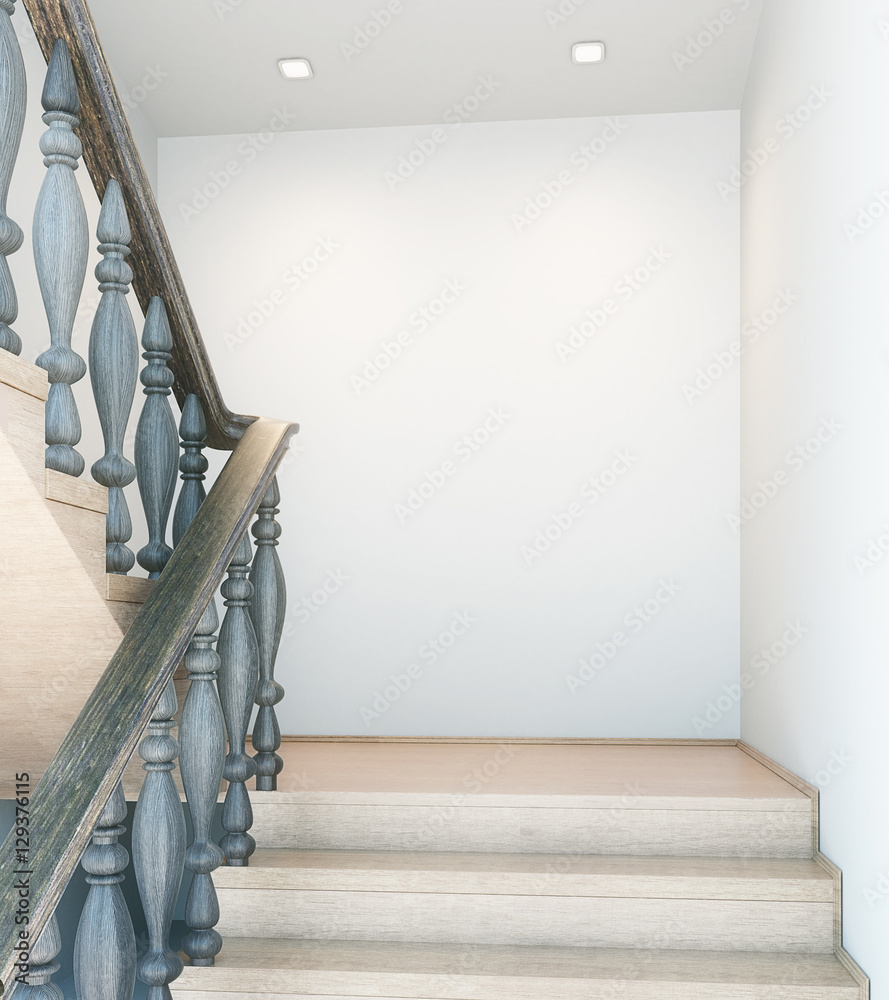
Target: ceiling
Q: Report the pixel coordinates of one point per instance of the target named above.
(212, 64)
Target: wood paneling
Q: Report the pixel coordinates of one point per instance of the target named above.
(77, 492)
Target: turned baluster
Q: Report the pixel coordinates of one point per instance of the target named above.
(192, 465)
(159, 847)
(201, 725)
(201, 757)
(61, 248)
(105, 946)
(267, 611)
(13, 95)
(114, 363)
(157, 447)
(238, 675)
(43, 965)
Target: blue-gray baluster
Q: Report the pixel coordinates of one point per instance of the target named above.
(13, 95)
(157, 447)
(201, 725)
(114, 363)
(192, 465)
(201, 757)
(43, 965)
(61, 248)
(159, 847)
(105, 946)
(267, 611)
(238, 675)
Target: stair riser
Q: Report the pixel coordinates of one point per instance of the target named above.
(344, 986)
(585, 991)
(686, 832)
(440, 918)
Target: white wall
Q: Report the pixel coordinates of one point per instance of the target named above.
(819, 709)
(243, 214)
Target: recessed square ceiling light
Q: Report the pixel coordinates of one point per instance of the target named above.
(295, 69)
(588, 52)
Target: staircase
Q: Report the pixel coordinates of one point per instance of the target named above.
(421, 870)
(530, 871)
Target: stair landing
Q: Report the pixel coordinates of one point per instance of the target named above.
(665, 769)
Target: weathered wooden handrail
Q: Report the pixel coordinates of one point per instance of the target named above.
(68, 801)
(109, 151)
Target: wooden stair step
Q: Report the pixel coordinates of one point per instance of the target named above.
(613, 902)
(265, 969)
(645, 876)
(708, 828)
(510, 797)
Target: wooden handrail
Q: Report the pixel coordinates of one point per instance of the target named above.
(66, 804)
(109, 151)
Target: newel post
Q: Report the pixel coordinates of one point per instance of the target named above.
(114, 363)
(61, 248)
(13, 94)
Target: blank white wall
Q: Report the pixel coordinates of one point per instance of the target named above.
(241, 220)
(819, 706)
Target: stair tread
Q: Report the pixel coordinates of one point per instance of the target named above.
(635, 875)
(261, 961)
(460, 861)
(466, 774)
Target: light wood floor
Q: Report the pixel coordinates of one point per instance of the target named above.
(528, 769)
